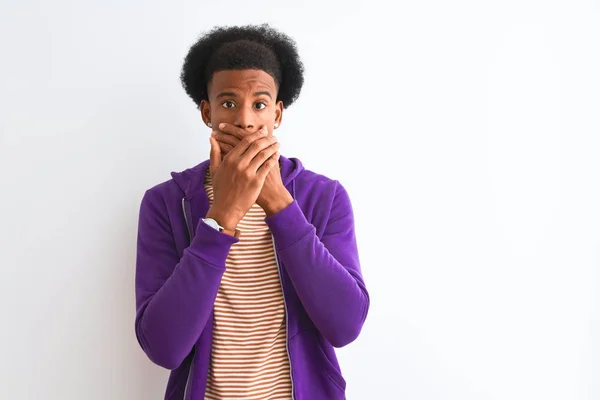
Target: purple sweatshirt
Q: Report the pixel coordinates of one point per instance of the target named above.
(180, 262)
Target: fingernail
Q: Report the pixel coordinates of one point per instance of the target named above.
(221, 125)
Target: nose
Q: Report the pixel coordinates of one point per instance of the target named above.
(245, 119)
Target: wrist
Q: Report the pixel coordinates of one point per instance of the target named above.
(274, 206)
(226, 219)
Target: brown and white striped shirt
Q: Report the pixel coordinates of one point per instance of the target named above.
(249, 357)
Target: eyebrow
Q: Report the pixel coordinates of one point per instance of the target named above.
(231, 94)
(256, 94)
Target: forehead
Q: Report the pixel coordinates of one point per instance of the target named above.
(244, 79)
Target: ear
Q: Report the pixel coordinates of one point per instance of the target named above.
(205, 111)
(278, 114)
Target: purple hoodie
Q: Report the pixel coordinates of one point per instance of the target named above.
(180, 262)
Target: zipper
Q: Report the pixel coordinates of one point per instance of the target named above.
(185, 216)
(287, 349)
(191, 371)
(190, 374)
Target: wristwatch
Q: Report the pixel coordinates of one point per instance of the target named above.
(215, 225)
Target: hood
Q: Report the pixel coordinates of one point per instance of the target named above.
(192, 179)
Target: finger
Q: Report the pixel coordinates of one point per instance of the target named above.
(265, 130)
(233, 130)
(225, 147)
(263, 156)
(267, 166)
(246, 141)
(226, 138)
(256, 147)
(215, 155)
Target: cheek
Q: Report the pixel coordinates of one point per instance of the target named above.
(218, 114)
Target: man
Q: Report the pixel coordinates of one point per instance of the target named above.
(247, 272)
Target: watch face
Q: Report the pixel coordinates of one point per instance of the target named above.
(211, 222)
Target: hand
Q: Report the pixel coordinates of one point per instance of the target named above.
(274, 196)
(238, 177)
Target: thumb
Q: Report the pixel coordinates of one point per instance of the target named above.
(215, 154)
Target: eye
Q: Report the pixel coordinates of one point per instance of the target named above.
(228, 104)
(260, 104)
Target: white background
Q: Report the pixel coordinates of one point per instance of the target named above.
(466, 132)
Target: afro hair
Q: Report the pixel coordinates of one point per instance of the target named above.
(243, 47)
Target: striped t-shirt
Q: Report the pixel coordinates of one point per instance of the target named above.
(249, 358)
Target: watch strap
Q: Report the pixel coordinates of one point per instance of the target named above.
(212, 222)
(235, 233)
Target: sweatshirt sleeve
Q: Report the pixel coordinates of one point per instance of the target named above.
(174, 296)
(325, 272)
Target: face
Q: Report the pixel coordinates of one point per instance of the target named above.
(245, 98)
